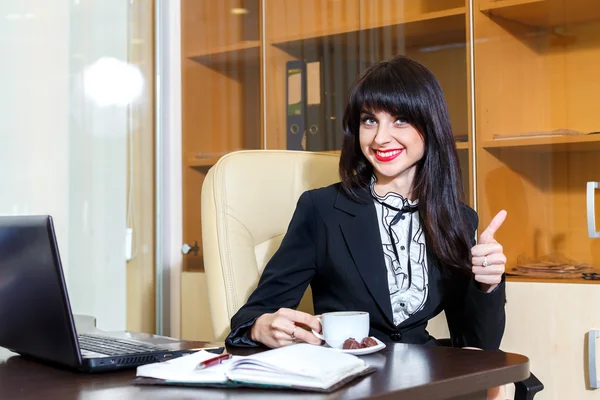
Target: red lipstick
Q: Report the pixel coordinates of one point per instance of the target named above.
(393, 153)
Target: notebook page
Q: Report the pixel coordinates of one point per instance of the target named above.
(183, 369)
(301, 364)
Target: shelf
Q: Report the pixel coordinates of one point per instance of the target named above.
(202, 160)
(243, 51)
(432, 29)
(283, 40)
(459, 146)
(435, 15)
(194, 268)
(547, 144)
(429, 29)
(463, 145)
(543, 13)
(516, 278)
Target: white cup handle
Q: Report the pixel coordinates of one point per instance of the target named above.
(318, 334)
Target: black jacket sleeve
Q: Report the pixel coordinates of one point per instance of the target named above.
(475, 318)
(285, 277)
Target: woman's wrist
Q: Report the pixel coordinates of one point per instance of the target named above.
(253, 334)
(255, 328)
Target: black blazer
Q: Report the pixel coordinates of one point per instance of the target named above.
(333, 244)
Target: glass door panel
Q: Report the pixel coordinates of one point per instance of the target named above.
(316, 48)
(221, 96)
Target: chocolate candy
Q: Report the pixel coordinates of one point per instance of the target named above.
(368, 342)
(351, 343)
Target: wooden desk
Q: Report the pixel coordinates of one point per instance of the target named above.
(403, 371)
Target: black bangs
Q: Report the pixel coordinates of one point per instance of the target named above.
(385, 88)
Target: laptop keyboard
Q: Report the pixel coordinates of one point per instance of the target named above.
(114, 346)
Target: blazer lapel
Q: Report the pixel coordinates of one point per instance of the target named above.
(361, 233)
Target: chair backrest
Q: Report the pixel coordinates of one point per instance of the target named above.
(248, 198)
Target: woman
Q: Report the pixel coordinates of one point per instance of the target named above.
(393, 238)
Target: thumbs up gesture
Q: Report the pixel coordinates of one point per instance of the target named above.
(488, 259)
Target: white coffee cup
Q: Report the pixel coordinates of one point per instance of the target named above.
(339, 326)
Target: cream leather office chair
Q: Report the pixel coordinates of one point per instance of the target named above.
(248, 199)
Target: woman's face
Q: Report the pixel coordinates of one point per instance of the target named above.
(392, 146)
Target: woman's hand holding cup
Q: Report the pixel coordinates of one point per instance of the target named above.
(285, 327)
(343, 325)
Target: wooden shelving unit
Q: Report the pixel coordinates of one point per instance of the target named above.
(534, 73)
(543, 53)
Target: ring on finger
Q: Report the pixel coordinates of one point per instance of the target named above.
(485, 263)
(293, 334)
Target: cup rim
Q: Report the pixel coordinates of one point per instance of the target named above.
(345, 313)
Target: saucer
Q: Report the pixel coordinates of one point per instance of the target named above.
(362, 352)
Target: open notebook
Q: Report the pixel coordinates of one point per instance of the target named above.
(301, 366)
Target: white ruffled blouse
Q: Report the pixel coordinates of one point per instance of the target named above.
(407, 277)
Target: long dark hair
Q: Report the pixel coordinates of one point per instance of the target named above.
(404, 88)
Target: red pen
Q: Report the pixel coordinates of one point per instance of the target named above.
(213, 361)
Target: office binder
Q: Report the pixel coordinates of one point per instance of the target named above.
(296, 104)
(315, 111)
(330, 123)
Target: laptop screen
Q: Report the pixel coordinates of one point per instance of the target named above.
(35, 314)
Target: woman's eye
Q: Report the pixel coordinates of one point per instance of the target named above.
(369, 121)
(400, 121)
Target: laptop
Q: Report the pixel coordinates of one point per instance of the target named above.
(35, 314)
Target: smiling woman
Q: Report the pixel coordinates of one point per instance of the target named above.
(393, 238)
